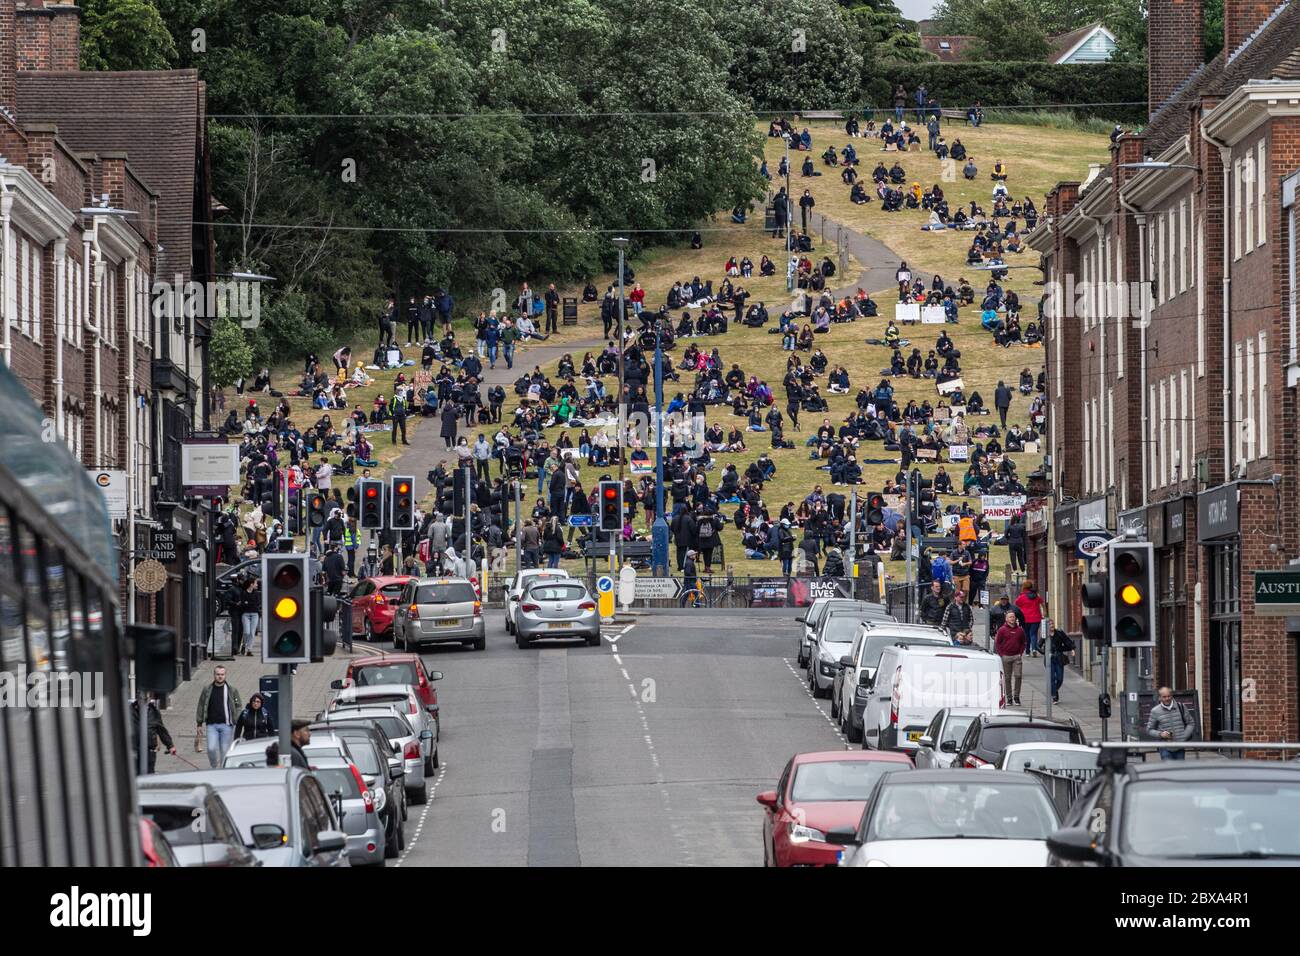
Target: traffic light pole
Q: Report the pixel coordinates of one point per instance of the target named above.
(284, 713)
(907, 520)
(469, 531)
(519, 545)
(853, 536)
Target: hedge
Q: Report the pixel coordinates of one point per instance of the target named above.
(1001, 85)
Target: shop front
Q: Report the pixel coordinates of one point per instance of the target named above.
(1218, 522)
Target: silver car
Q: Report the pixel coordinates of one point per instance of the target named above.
(417, 747)
(191, 813)
(937, 748)
(556, 608)
(520, 583)
(354, 803)
(439, 611)
(281, 813)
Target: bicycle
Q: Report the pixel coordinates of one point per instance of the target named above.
(694, 597)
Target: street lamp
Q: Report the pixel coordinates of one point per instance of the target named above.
(621, 243)
(659, 531)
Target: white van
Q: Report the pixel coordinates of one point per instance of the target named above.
(913, 683)
(851, 688)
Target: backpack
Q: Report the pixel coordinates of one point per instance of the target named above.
(705, 528)
(1187, 719)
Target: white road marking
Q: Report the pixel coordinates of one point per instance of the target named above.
(613, 638)
(803, 682)
(419, 827)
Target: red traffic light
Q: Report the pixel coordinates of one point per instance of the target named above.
(371, 491)
(611, 493)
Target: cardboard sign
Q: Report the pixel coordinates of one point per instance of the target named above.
(907, 312)
(927, 454)
(1001, 506)
(950, 386)
(933, 315)
(1031, 448)
(959, 453)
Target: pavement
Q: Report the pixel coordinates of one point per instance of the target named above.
(647, 750)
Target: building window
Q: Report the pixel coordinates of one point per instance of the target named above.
(1236, 209)
(1261, 193)
(36, 293)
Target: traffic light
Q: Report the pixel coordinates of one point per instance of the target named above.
(286, 609)
(875, 509)
(371, 492)
(351, 507)
(401, 500)
(611, 506)
(922, 500)
(155, 657)
(296, 523)
(1132, 594)
(1095, 625)
(324, 608)
(316, 505)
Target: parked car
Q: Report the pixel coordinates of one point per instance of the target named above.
(374, 603)
(383, 773)
(812, 617)
(517, 584)
(1184, 813)
(556, 608)
(252, 753)
(154, 846)
(414, 745)
(948, 818)
(832, 640)
(819, 792)
(914, 682)
(439, 611)
(176, 804)
(281, 814)
(852, 685)
(397, 669)
(990, 734)
(937, 747)
(356, 807)
(401, 696)
(1073, 759)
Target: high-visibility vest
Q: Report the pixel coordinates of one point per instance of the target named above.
(350, 538)
(966, 528)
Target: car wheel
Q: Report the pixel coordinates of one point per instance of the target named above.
(835, 701)
(399, 644)
(853, 733)
(509, 627)
(368, 631)
(431, 764)
(520, 640)
(594, 640)
(420, 796)
(480, 644)
(393, 843)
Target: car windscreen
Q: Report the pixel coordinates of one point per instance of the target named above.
(840, 779)
(1212, 819)
(363, 754)
(393, 727)
(840, 628)
(250, 806)
(445, 594)
(381, 697)
(973, 810)
(877, 643)
(558, 592)
(998, 739)
(373, 674)
(338, 780)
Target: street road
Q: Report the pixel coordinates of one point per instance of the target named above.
(648, 750)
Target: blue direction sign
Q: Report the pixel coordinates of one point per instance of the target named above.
(580, 521)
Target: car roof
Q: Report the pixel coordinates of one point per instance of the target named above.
(1048, 745)
(830, 756)
(196, 780)
(957, 776)
(419, 581)
(966, 711)
(375, 690)
(383, 580)
(1005, 719)
(938, 650)
(379, 659)
(1214, 770)
(373, 710)
(184, 793)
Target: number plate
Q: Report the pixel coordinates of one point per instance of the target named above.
(559, 625)
(448, 622)
(914, 735)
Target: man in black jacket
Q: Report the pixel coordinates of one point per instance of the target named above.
(156, 732)
(933, 605)
(684, 531)
(1002, 401)
(958, 618)
(552, 306)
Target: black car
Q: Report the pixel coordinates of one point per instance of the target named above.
(1183, 813)
(989, 735)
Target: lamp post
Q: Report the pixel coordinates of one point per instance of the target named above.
(620, 243)
(659, 532)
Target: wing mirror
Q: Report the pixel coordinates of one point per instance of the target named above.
(948, 746)
(267, 836)
(925, 741)
(1075, 844)
(767, 798)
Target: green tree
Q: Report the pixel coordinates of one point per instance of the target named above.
(229, 354)
(124, 35)
(1009, 30)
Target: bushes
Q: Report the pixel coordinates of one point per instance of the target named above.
(1021, 85)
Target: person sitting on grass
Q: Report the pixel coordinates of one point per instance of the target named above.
(970, 170)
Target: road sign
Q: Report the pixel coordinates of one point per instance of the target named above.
(580, 521)
(657, 589)
(605, 595)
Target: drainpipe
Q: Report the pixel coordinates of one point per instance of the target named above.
(1144, 303)
(1227, 314)
(6, 206)
(132, 306)
(61, 310)
(90, 244)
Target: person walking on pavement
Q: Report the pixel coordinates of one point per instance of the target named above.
(958, 618)
(1009, 644)
(218, 706)
(1062, 651)
(1170, 721)
(934, 605)
(299, 737)
(157, 731)
(1002, 401)
(450, 418)
(1031, 608)
(250, 612)
(334, 568)
(255, 720)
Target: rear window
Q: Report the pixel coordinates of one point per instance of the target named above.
(840, 628)
(363, 755)
(391, 592)
(374, 674)
(558, 592)
(179, 823)
(999, 738)
(390, 725)
(877, 643)
(376, 698)
(445, 594)
(338, 780)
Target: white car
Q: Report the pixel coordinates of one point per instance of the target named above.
(912, 684)
(833, 640)
(1046, 755)
(951, 818)
(937, 748)
(519, 583)
(812, 618)
(853, 680)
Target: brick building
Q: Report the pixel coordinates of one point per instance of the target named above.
(1187, 354)
(97, 205)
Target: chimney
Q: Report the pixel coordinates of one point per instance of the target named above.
(49, 35)
(1241, 18)
(1175, 46)
(8, 61)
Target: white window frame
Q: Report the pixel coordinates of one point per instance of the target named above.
(1236, 209)
(1261, 429)
(1237, 418)
(1261, 192)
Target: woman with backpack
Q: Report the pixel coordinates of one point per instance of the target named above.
(707, 536)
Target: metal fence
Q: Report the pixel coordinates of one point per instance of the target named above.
(1063, 786)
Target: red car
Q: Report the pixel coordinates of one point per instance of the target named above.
(154, 846)
(820, 792)
(374, 604)
(396, 669)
